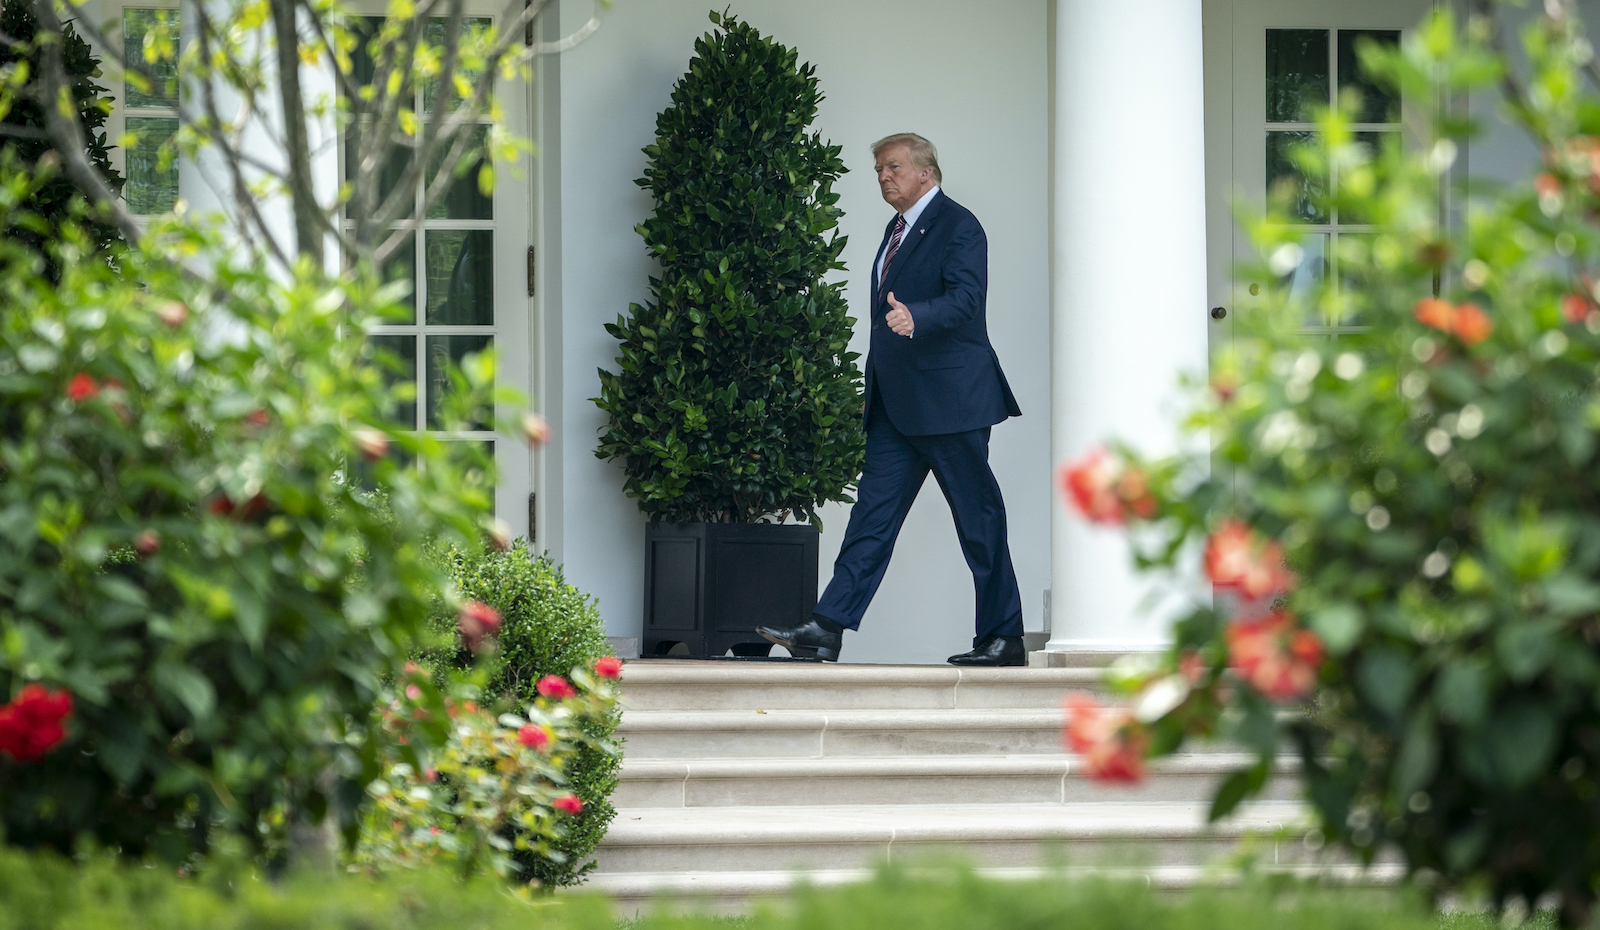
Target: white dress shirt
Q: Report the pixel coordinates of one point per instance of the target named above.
(911, 216)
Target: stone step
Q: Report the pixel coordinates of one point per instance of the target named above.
(667, 685)
(736, 892)
(791, 734)
(1143, 835)
(935, 779)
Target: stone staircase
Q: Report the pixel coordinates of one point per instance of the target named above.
(742, 777)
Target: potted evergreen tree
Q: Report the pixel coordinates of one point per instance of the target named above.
(736, 411)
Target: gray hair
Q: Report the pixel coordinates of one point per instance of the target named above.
(923, 154)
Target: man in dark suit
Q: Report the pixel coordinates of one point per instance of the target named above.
(934, 388)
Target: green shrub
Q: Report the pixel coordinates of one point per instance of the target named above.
(738, 397)
(1432, 483)
(548, 627)
(180, 548)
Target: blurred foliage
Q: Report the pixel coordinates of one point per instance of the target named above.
(547, 627)
(185, 546)
(738, 397)
(487, 797)
(47, 893)
(1430, 477)
(50, 203)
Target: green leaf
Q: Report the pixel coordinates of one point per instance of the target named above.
(1521, 739)
(192, 689)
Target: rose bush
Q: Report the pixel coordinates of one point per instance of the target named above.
(492, 793)
(545, 629)
(1401, 525)
(202, 543)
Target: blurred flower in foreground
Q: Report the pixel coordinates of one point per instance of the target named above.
(1106, 490)
(1274, 655)
(1108, 739)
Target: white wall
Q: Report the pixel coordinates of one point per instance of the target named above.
(971, 77)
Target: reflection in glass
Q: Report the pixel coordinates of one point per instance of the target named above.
(463, 200)
(151, 186)
(445, 352)
(1297, 74)
(1379, 103)
(1300, 196)
(460, 271)
(396, 358)
(160, 29)
(1304, 283)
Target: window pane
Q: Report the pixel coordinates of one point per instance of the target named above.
(1304, 283)
(460, 277)
(396, 357)
(1297, 74)
(151, 188)
(1355, 264)
(369, 49)
(388, 174)
(443, 353)
(402, 266)
(1290, 189)
(463, 200)
(1379, 103)
(473, 30)
(1373, 143)
(155, 32)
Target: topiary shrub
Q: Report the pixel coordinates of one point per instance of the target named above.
(1402, 525)
(738, 397)
(547, 627)
(51, 202)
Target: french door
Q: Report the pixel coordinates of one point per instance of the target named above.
(468, 267)
(1286, 58)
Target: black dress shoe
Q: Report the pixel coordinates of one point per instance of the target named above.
(807, 641)
(994, 651)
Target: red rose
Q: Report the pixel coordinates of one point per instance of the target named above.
(1575, 307)
(568, 804)
(608, 667)
(32, 724)
(81, 388)
(147, 543)
(1467, 322)
(533, 737)
(258, 417)
(554, 686)
(1108, 739)
(1088, 483)
(1275, 656)
(1472, 325)
(478, 622)
(373, 443)
(173, 313)
(1236, 558)
(536, 429)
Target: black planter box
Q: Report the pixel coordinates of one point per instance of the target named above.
(708, 586)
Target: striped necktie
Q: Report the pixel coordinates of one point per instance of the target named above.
(894, 245)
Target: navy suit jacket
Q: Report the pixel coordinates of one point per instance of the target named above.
(946, 378)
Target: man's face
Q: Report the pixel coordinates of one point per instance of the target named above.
(901, 182)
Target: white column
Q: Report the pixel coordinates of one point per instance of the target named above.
(1128, 289)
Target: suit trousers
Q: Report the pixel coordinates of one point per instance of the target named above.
(896, 467)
